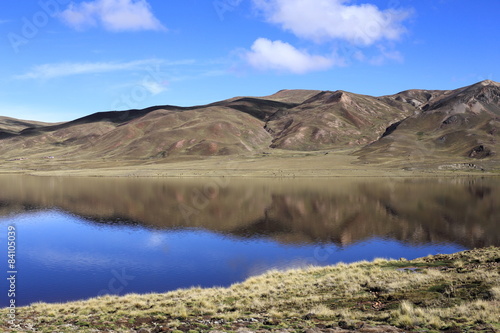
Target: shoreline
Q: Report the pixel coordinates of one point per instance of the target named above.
(364, 297)
(440, 292)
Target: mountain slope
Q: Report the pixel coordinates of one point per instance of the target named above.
(162, 133)
(462, 123)
(11, 126)
(333, 119)
(149, 133)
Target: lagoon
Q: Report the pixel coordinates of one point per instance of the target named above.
(78, 238)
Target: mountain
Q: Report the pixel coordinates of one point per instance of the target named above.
(414, 125)
(457, 123)
(10, 126)
(334, 119)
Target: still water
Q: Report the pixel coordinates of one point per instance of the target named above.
(82, 237)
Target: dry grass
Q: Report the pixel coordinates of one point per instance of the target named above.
(266, 163)
(437, 297)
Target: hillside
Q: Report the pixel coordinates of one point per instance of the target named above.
(462, 123)
(459, 126)
(10, 126)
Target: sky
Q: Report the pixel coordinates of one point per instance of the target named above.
(63, 59)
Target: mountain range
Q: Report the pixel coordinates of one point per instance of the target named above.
(426, 125)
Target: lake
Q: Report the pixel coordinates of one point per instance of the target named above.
(78, 238)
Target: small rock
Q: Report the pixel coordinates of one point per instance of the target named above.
(309, 316)
(160, 329)
(244, 330)
(380, 329)
(313, 330)
(359, 325)
(345, 325)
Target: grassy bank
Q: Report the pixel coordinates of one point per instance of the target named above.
(454, 293)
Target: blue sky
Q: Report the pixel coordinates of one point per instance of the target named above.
(65, 59)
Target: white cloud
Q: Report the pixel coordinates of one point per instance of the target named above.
(50, 71)
(113, 15)
(326, 20)
(281, 56)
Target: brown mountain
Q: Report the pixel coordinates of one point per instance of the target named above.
(9, 126)
(334, 119)
(458, 125)
(462, 123)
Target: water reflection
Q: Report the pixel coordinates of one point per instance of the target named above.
(62, 257)
(81, 237)
(462, 211)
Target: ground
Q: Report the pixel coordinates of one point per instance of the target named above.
(268, 163)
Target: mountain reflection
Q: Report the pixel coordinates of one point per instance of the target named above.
(463, 211)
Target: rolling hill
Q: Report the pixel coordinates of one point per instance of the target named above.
(415, 125)
(10, 126)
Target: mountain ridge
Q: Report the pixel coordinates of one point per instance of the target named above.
(461, 124)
